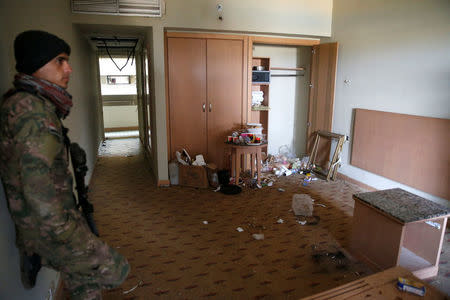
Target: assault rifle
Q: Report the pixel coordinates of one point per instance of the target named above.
(78, 156)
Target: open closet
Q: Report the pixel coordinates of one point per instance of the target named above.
(299, 98)
(209, 90)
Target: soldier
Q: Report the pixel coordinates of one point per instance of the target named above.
(35, 172)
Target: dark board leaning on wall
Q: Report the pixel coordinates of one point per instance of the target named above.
(412, 150)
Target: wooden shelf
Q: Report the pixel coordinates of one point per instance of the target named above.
(260, 108)
(260, 114)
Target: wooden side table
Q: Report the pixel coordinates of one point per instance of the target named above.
(238, 151)
(396, 228)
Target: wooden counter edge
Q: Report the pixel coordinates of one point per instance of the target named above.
(384, 280)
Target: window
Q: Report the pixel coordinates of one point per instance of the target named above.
(118, 87)
(118, 79)
(149, 8)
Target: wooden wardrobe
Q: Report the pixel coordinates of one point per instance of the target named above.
(207, 92)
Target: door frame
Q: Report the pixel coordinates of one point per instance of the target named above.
(276, 41)
(249, 41)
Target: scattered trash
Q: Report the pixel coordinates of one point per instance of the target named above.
(280, 221)
(173, 173)
(434, 224)
(199, 161)
(183, 157)
(258, 186)
(302, 205)
(281, 190)
(258, 236)
(309, 221)
(320, 204)
(327, 259)
(239, 229)
(270, 183)
(133, 288)
(307, 179)
(411, 286)
(230, 189)
(218, 189)
(205, 222)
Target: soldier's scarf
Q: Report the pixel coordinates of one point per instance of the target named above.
(56, 94)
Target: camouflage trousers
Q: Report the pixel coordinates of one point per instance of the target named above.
(86, 281)
(87, 264)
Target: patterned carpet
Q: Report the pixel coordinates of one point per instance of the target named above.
(183, 243)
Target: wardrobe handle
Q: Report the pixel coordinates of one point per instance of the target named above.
(210, 107)
(204, 107)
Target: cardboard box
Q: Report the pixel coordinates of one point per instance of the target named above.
(194, 176)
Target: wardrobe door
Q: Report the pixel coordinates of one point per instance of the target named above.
(187, 95)
(321, 97)
(225, 71)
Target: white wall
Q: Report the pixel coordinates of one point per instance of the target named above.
(294, 17)
(396, 55)
(50, 15)
(288, 98)
(120, 116)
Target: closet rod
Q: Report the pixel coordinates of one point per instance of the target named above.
(288, 69)
(286, 75)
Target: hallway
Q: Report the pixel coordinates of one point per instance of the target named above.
(182, 243)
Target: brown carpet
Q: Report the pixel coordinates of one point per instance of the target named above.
(182, 242)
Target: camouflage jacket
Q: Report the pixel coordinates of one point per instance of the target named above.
(34, 170)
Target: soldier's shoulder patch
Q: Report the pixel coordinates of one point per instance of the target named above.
(53, 129)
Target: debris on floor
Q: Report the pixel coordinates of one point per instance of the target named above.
(133, 288)
(258, 236)
(308, 178)
(230, 189)
(280, 221)
(327, 260)
(302, 205)
(313, 220)
(239, 229)
(205, 222)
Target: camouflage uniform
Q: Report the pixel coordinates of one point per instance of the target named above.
(38, 184)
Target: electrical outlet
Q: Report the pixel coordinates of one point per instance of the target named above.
(347, 138)
(220, 11)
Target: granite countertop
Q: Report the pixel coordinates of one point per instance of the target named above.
(402, 205)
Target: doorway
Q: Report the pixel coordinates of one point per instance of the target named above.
(119, 95)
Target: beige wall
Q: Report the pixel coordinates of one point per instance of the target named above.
(53, 16)
(120, 116)
(396, 58)
(287, 17)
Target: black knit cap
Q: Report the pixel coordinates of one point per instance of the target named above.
(34, 48)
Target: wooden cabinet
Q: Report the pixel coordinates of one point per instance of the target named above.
(205, 91)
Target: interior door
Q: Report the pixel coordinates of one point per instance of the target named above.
(187, 95)
(321, 95)
(225, 71)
